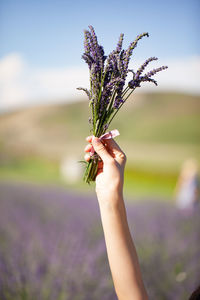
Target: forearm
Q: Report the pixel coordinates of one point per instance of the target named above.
(121, 251)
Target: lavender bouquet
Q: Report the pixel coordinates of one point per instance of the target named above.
(108, 89)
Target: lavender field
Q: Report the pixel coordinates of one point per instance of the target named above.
(52, 246)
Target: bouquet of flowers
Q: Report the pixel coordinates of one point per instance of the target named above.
(108, 88)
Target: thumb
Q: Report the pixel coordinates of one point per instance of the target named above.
(100, 149)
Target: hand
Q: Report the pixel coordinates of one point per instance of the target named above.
(110, 174)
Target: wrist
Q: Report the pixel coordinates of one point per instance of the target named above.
(113, 202)
(110, 190)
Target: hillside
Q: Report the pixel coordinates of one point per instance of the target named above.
(149, 124)
(157, 132)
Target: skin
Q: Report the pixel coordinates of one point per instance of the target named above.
(122, 256)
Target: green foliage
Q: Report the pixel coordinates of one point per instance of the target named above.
(149, 183)
(31, 169)
(161, 118)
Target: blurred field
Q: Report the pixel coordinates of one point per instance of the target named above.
(158, 132)
(52, 246)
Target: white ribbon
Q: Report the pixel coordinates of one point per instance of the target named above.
(106, 136)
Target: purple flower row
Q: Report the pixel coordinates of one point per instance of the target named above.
(52, 246)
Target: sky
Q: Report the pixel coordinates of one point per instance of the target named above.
(42, 43)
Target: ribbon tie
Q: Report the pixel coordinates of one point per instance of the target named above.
(106, 136)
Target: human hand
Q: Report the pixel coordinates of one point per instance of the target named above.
(110, 174)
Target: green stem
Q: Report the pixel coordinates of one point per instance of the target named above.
(102, 82)
(112, 100)
(120, 106)
(125, 91)
(105, 114)
(91, 171)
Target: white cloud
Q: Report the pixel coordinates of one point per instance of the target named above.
(182, 75)
(61, 83)
(23, 85)
(12, 88)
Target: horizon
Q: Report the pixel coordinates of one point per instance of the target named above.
(64, 102)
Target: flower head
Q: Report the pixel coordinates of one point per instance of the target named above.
(108, 76)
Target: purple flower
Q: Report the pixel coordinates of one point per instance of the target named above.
(108, 91)
(137, 78)
(134, 83)
(129, 52)
(119, 44)
(94, 37)
(87, 41)
(154, 71)
(88, 59)
(86, 91)
(118, 101)
(143, 66)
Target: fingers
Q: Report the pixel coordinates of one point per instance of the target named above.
(88, 149)
(101, 150)
(110, 148)
(98, 147)
(113, 145)
(115, 151)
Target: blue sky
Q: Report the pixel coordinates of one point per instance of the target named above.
(50, 33)
(42, 43)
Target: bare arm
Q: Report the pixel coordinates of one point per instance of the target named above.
(121, 251)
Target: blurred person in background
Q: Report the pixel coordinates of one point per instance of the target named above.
(187, 187)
